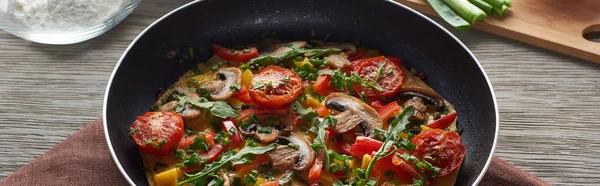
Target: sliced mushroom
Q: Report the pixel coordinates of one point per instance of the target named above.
(426, 96)
(220, 86)
(285, 157)
(275, 47)
(420, 107)
(414, 87)
(189, 112)
(338, 60)
(267, 137)
(353, 113)
(283, 128)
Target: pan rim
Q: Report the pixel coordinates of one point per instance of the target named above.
(116, 68)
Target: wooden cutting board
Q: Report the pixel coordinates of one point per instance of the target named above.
(557, 25)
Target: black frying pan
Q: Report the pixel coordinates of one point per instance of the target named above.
(396, 30)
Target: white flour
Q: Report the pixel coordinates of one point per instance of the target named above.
(63, 14)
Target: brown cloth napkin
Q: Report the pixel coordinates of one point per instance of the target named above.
(83, 159)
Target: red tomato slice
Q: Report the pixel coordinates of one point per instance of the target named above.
(236, 139)
(388, 111)
(157, 132)
(390, 77)
(186, 142)
(235, 55)
(274, 86)
(315, 170)
(444, 147)
(443, 122)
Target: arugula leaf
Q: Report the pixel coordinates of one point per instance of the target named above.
(318, 128)
(343, 82)
(275, 59)
(228, 159)
(391, 137)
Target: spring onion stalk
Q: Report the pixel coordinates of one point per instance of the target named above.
(496, 3)
(466, 10)
(508, 3)
(500, 11)
(486, 7)
(448, 15)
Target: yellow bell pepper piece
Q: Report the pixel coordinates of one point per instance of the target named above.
(247, 77)
(166, 178)
(311, 101)
(403, 135)
(424, 128)
(365, 161)
(303, 62)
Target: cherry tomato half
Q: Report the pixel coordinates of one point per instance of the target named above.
(157, 132)
(274, 86)
(381, 70)
(444, 147)
(232, 55)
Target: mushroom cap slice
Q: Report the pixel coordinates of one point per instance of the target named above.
(189, 112)
(220, 86)
(284, 156)
(414, 87)
(338, 60)
(352, 113)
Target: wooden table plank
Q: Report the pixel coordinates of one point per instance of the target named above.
(548, 102)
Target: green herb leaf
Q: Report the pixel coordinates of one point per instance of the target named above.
(150, 140)
(223, 110)
(200, 144)
(391, 137)
(285, 178)
(160, 144)
(250, 179)
(227, 159)
(133, 130)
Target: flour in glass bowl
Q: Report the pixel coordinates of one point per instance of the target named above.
(63, 15)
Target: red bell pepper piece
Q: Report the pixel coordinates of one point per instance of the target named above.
(443, 122)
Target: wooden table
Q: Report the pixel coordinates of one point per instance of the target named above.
(549, 103)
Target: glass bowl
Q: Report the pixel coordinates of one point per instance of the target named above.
(33, 19)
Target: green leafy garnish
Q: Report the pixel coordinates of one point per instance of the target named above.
(228, 159)
(250, 179)
(218, 108)
(343, 82)
(150, 140)
(318, 128)
(294, 146)
(391, 137)
(200, 144)
(160, 144)
(275, 59)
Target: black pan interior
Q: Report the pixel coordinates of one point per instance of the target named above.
(379, 24)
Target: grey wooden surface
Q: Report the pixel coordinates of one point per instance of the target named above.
(549, 103)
